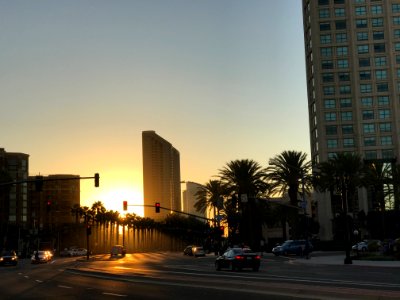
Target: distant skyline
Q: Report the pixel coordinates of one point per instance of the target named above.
(80, 81)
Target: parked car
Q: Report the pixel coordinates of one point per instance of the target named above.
(196, 251)
(41, 257)
(237, 259)
(118, 250)
(368, 245)
(293, 247)
(8, 257)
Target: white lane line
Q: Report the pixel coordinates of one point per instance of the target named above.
(26, 276)
(64, 287)
(37, 280)
(113, 294)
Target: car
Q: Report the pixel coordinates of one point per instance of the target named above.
(79, 252)
(361, 246)
(41, 256)
(293, 247)
(118, 250)
(193, 250)
(8, 257)
(238, 259)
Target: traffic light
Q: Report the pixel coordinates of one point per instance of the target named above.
(157, 207)
(48, 206)
(125, 205)
(96, 179)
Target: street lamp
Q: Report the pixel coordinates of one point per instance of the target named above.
(343, 182)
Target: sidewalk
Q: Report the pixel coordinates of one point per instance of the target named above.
(337, 258)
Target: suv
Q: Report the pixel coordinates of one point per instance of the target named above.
(293, 247)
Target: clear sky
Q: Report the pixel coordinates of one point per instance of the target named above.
(81, 79)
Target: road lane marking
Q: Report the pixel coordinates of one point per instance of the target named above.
(64, 287)
(113, 294)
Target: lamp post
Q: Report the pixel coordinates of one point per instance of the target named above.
(343, 183)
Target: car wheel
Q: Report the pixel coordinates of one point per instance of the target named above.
(232, 267)
(217, 267)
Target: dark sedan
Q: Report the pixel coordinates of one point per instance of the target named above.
(238, 259)
(8, 258)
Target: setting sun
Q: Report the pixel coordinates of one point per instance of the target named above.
(115, 187)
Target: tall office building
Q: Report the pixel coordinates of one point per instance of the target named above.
(352, 50)
(161, 176)
(190, 198)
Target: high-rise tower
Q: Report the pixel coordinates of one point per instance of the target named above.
(352, 50)
(161, 176)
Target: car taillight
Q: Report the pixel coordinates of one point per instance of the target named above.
(239, 257)
(257, 257)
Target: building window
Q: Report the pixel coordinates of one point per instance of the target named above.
(339, 2)
(398, 73)
(324, 26)
(327, 77)
(380, 61)
(346, 116)
(366, 101)
(369, 128)
(347, 129)
(331, 116)
(324, 13)
(396, 20)
(386, 140)
(326, 52)
(371, 155)
(332, 143)
(345, 102)
(385, 127)
(339, 25)
(348, 142)
(397, 59)
(376, 9)
(341, 37)
(359, 1)
(378, 35)
(344, 90)
(361, 10)
(378, 48)
(323, 2)
(362, 36)
(368, 114)
(366, 88)
(325, 39)
(327, 64)
(381, 74)
(329, 103)
(396, 8)
(342, 63)
(341, 51)
(387, 154)
(365, 75)
(361, 23)
(329, 90)
(377, 22)
(369, 141)
(364, 62)
(384, 114)
(362, 49)
(339, 12)
(383, 100)
(331, 130)
(344, 76)
(382, 87)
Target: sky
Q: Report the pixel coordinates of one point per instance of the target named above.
(81, 79)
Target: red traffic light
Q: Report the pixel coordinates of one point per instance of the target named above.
(125, 205)
(157, 207)
(222, 230)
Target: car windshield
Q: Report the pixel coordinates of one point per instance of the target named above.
(7, 253)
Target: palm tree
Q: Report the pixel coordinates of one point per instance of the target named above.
(289, 173)
(210, 196)
(245, 179)
(342, 173)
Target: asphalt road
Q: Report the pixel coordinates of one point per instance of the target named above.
(174, 276)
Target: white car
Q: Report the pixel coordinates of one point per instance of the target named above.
(361, 246)
(78, 252)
